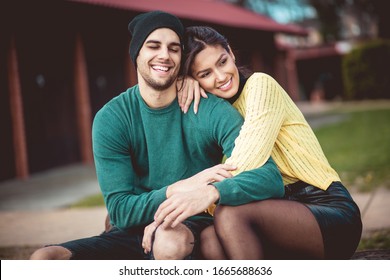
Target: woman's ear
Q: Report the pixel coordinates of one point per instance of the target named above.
(231, 54)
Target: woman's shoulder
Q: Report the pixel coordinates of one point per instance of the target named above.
(258, 76)
(259, 81)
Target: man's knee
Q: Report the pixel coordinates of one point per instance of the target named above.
(51, 253)
(173, 244)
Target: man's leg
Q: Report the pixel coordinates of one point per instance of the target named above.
(181, 242)
(51, 253)
(113, 245)
(173, 243)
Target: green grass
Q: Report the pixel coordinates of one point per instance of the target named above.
(90, 201)
(359, 148)
(376, 240)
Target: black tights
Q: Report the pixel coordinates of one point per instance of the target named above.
(268, 229)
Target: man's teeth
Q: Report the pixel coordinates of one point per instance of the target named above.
(161, 68)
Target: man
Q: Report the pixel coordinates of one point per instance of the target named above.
(146, 151)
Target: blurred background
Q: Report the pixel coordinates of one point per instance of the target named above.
(62, 60)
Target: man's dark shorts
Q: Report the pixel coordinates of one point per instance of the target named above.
(118, 244)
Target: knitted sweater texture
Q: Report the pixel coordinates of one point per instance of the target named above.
(274, 126)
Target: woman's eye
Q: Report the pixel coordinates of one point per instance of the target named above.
(204, 75)
(223, 61)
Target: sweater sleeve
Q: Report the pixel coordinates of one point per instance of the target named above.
(259, 183)
(128, 205)
(253, 185)
(261, 104)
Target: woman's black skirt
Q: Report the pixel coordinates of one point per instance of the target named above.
(337, 214)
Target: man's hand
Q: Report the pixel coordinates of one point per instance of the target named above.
(191, 196)
(182, 205)
(216, 173)
(147, 240)
(107, 224)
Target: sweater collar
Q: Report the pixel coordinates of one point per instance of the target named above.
(241, 85)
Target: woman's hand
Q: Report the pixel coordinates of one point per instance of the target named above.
(188, 89)
(216, 173)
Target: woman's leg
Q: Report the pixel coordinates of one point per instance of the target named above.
(210, 246)
(269, 229)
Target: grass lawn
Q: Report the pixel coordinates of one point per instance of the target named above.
(379, 239)
(359, 148)
(90, 201)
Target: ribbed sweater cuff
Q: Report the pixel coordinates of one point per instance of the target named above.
(161, 194)
(225, 189)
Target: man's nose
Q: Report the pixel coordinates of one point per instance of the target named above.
(164, 53)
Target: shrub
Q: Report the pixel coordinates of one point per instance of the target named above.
(366, 71)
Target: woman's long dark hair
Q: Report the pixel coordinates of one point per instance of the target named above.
(196, 39)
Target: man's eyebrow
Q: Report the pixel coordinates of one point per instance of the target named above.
(175, 44)
(158, 42)
(153, 42)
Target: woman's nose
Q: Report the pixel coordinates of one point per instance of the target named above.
(221, 75)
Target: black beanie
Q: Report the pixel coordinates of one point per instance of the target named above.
(144, 24)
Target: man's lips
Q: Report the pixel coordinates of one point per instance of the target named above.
(160, 68)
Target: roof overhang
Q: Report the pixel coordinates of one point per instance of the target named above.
(208, 11)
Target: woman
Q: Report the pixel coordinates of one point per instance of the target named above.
(317, 218)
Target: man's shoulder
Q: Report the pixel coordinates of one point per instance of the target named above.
(212, 102)
(120, 106)
(122, 100)
(215, 109)
(125, 97)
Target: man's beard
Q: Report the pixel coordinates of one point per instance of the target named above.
(159, 85)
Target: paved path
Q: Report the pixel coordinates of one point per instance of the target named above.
(32, 220)
(35, 228)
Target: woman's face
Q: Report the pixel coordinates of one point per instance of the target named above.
(215, 70)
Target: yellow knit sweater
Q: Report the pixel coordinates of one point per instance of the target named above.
(274, 126)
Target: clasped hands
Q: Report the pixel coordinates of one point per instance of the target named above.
(187, 198)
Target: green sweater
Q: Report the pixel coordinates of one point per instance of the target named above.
(139, 151)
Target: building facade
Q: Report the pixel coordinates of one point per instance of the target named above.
(61, 61)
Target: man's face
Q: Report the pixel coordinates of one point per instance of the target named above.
(158, 61)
